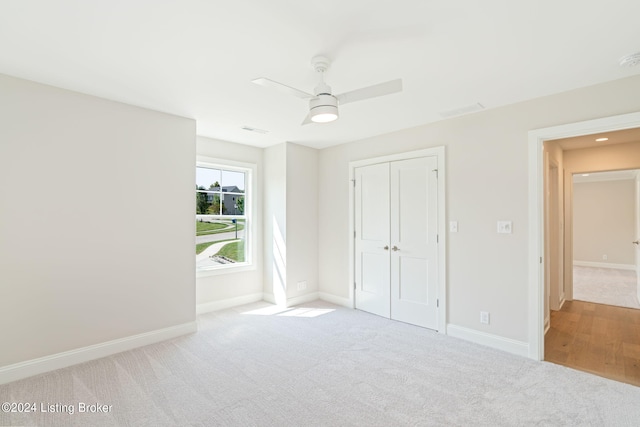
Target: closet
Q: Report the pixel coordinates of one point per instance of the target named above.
(396, 240)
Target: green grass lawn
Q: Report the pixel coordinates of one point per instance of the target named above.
(202, 246)
(234, 251)
(204, 228)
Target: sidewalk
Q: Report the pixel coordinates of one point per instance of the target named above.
(203, 259)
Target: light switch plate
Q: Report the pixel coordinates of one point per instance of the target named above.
(453, 226)
(505, 227)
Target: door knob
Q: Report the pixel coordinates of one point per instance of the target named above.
(386, 247)
(636, 242)
(395, 248)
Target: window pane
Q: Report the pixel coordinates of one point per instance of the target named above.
(220, 242)
(207, 179)
(232, 204)
(207, 203)
(233, 181)
(202, 203)
(239, 205)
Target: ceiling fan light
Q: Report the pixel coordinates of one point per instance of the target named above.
(324, 114)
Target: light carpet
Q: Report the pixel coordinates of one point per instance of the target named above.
(606, 286)
(322, 365)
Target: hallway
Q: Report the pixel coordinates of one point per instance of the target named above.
(601, 339)
(606, 286)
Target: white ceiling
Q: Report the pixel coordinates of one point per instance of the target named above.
(586, 141)
(196, 58)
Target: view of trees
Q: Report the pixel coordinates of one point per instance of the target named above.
(210, 203)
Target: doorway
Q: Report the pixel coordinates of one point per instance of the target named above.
(604, 227)
(537, 252)
(593, 337)
(398, 245)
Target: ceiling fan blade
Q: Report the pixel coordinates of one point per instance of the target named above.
(307, 120)
(262, 81)
(380, 89)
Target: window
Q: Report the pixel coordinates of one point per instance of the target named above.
(222, 216)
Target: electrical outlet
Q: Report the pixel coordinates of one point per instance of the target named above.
(604, 257)
(453, 226)
(505, 227)
(302, 285)
(484, 317)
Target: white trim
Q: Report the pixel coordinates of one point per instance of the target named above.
(334, 299)
(562, 301)
(293, 301)
(439, 152)
(604, 265)
(302, 299)
(270, 298)
(251, 215)
(536, 230)
(41, 365)
(227, 303)
(509, 345)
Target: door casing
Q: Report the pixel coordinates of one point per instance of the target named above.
(536, 252)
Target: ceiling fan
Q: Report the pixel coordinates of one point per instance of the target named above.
(323, 105)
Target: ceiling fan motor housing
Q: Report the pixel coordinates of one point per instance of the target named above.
(323, 108)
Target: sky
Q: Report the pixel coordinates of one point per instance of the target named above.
(205, 177)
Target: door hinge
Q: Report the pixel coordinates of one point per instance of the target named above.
(436, 171)
(437, 238)
(354, 182)
(540, 260)
(354, 285)
(437, 303)
(354, 234)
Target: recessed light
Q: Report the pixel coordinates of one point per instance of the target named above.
(602, 139)
(585, 174)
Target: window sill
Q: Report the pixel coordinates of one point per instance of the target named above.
(227, 269)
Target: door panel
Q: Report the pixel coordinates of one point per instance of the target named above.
(414, 225)
(413, 273)
(372, 292)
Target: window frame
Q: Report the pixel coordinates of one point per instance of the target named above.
(250, 214)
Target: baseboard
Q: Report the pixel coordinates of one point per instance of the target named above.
(228, 303)
(562, 300)
(505, 344)
(302, 299)
(334, 299)
(604, 265)
(41, 365)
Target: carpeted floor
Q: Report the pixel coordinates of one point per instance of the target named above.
(321, 365)
(606, 286)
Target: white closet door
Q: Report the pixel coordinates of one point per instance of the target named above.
(372, 236)
(414, 250)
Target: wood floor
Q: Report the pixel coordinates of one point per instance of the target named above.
(597, 338)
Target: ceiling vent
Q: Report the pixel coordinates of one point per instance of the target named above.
(630, 60)
(462, 110)
(256, 130)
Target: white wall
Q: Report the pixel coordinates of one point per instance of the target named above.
(290, 223)
(96, 220)
(604, 222)
(274, 223)
(302, 219)
(214, 290)
(487, 181)
(593, 159)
